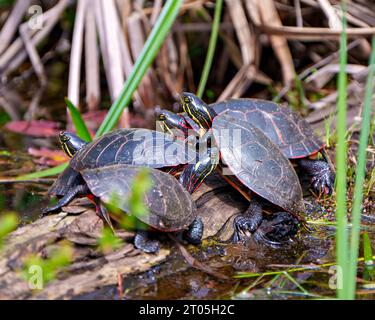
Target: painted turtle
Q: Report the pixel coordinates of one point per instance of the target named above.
(290, 133)
(135, 147)
(170, 206)
(255, 164)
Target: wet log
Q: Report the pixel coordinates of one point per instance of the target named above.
(90, 269)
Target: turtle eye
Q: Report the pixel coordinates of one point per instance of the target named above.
(63, 137)
(161, 117)
(187, 100)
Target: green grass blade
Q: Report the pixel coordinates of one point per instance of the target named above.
(146, 57)
(44, 173)
(211, 48)
(78, 122)
(8, 223)
(360, 173)
(367, 251)
(341, 165)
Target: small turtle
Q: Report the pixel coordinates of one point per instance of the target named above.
(170, 206)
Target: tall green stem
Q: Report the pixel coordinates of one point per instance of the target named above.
(360, 174)
(341, 159)
(211, 48)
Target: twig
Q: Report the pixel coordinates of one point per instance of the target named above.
(76, 54)
(211, 48)
(240, 82)
(333, 20)
(330, 58)
(112, 30)
(92, 62)
(9, 109)
(31, 112)
(314, 34)
(137, 41)
(102, 40)
(14, 19)
(155, 11)
(33, 54)
(195, 263)
(14, 56)
(244, 34)
(297, 6)
(120, 287)
(112, 27)
(325, 74)
(270, 18)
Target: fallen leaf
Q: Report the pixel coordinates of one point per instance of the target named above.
(47, 156)
(35, 128)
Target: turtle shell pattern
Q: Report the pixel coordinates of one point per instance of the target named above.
(257, 162)
(290, 132)
(138, 147)
(170, 206)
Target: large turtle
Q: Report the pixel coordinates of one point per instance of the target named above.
(135, 147)
(255, 164)
(289, 132)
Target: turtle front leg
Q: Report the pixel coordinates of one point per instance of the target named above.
(322, 176)
(102, 212)
(79, 190)
(142, 242)
(249, 221)
(195, 232)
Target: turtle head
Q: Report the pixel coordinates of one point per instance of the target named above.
(170, 121)
(70, 143)
(197, 110)
(194, 174)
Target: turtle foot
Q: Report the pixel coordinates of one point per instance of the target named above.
(142, 242)
(277, 230)
(49, 210)
(323, 179)
(248, 222)
(195, 232)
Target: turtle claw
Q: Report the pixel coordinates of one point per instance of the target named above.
(49, 210)
(195, 232)
(141, 242)
(323, 178)
(323, 181)
(243, 226)
(248, 222)
(277, 231)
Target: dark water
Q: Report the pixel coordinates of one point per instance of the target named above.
(26, 199)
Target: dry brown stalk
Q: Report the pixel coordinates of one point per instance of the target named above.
(92, 62)
(76, 54)
(270, 18)
(14, 19)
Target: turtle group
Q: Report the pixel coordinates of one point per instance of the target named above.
(253, 144)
